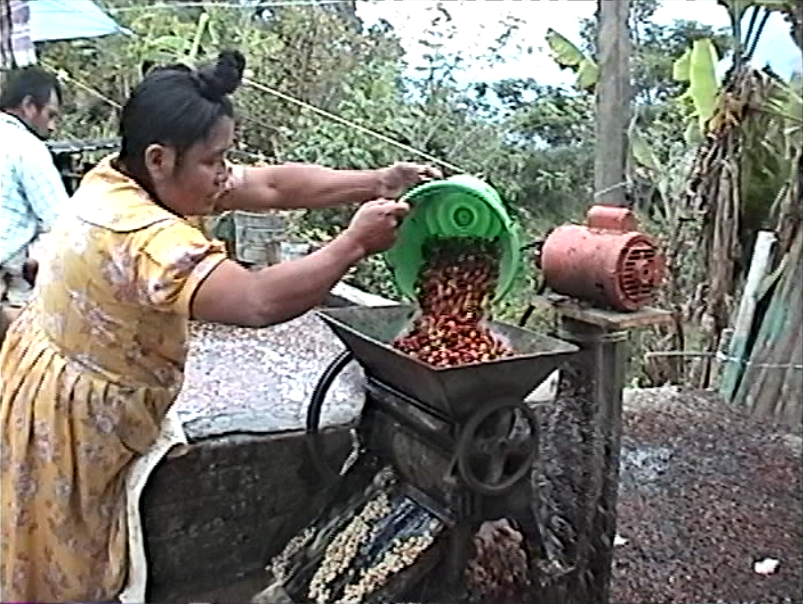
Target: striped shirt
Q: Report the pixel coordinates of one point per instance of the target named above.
(31, 190)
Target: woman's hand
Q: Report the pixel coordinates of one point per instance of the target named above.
(373, 226)
(395, 180)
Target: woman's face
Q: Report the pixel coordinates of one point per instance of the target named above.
(192, 186)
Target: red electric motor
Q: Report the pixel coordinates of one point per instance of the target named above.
(606, 262)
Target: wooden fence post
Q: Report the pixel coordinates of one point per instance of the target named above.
(613, 103)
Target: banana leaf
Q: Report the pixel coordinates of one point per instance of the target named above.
(698, 67)
(566, 54)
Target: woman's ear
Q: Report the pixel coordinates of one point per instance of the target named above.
(160, 162)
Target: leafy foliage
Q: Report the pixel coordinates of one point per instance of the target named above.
(533, 142)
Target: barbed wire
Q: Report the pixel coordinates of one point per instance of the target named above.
(64, 75)
(721, 356)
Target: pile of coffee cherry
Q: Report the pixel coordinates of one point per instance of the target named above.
(455, 289)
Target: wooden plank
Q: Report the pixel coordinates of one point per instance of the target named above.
(780, 360)
(606, 319)
(734, 367)
(772, 361)
(613, 102)
(343, 294)
(789, 407)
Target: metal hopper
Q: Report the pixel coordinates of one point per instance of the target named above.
(457, 391)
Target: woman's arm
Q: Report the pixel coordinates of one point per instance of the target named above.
(234, 295)
(303, 186)
(231, 294)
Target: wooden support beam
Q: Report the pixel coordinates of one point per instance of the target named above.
(613, 102)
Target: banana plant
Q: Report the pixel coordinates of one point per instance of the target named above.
(566, 54)
(786, 104)
(737, 9)
(698, 64)
(667, 177)
(698, 67)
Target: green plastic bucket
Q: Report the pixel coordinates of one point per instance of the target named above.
(459, 206)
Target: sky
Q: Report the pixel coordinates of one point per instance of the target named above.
(477, 22)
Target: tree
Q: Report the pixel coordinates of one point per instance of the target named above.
(655, 48)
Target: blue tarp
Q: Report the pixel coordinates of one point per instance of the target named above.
(69, 20)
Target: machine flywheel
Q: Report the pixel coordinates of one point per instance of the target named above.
(497, 446)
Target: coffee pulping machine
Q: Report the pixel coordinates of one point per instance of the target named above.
(463, 441)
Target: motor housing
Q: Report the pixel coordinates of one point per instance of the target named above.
(606, 262)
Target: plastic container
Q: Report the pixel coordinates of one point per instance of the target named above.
(459, 206)
(258, 237)
(292, 250)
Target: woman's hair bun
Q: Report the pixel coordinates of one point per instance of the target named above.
(223, 77)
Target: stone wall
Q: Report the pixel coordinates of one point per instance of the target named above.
(218, 513)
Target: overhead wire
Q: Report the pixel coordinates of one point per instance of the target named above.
(64, 75)
(359, 128)
(238, 5)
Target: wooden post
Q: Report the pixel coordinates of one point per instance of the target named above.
(613, 102)
(581, 463)
(6, 53)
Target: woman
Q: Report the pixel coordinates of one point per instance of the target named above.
(94, 362)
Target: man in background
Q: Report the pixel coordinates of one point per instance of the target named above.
(31, 190)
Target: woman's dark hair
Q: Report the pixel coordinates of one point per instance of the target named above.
(177, 106)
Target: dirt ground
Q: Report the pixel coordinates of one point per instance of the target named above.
(705, 493)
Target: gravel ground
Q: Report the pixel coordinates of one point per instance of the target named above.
(260, 380)
(705, 493)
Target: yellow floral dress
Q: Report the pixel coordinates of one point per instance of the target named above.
(88, 372)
